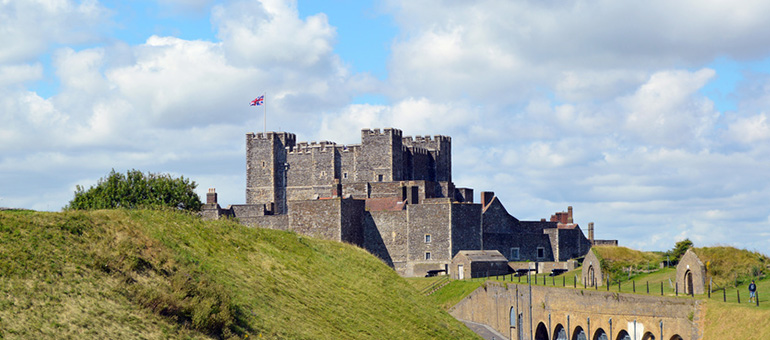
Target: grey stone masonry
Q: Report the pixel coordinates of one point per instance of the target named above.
(392, 195)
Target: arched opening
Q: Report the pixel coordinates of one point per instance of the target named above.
(579, 334)
(600, 335)
(623, 335)
(676, 337)
(591, 276)
(648, 336)
(688, 282)
(513, 317)
(542, 332)
(559, 333)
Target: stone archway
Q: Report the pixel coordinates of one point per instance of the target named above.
(559, 333)
(591, 276)
(623, 335)
(579, 334)
(542, 332)
(688, 282)
(600, 335)
(676, 337)
(648, 336)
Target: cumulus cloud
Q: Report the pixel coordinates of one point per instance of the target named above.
(29, 27)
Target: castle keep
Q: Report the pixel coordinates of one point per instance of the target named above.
(393, 196)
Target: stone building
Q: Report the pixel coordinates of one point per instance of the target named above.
(478, 263)
(392, 195)
(592, 275)
(691, 273)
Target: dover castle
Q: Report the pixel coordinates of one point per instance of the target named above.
(391, 195)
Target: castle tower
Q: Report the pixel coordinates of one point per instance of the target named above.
(266, 169)
(381, 156)
(591, 232)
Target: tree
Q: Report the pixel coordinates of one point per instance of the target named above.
(135, 190)
(679, 249)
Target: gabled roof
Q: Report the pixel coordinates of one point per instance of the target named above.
(483, 255)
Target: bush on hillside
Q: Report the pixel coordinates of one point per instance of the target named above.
(621, 263)
(731, 267)
(137, 190)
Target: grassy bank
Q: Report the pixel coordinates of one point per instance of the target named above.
(164, 274)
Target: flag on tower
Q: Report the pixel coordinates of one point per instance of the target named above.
(258, 101)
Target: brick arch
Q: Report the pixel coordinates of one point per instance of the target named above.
(541, 333)
(559, 332)
(579, 334)
(600, 334)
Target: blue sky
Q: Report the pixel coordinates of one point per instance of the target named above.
(650, 119)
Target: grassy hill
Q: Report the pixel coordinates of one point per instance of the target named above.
(730, 267)
(165, 274)
(620, 263)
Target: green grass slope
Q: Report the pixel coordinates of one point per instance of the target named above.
(164, 274)
(730, 267)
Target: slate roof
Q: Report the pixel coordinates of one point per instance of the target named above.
(482, 255)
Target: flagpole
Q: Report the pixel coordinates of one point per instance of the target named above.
(264, 102)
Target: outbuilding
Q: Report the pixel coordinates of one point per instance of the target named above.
(478, 263)
(592, 270)
(691, 273)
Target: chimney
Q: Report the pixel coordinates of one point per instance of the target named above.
(569, 215)
(591, 232)
(211, 196)
(486, 198)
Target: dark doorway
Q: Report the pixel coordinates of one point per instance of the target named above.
(688, 282)
(623, 335)
(541, 333)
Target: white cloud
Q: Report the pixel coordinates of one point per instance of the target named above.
(750, 129)
(29, 27)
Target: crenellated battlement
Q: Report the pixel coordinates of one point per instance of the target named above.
(384, 132)
(305, 147)
(272, 135)
(427, 139)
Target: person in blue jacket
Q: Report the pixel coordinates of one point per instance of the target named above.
(752, 291)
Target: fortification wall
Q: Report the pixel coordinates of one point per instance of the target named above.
(351, 221)
(434, 220)
(466, 227)
(278, 222)
(552, 309)
(317, 218)
(572, 244)
(385, 235)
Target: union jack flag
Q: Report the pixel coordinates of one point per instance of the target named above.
(258, 101)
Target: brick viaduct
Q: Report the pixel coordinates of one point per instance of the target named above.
(578, 314)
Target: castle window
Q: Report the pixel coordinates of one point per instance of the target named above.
(514, 254)
(427, 238)
(323, 173)
(540, 252)
(427, 255)
(263, 164)
(344, 175)
(379, 178)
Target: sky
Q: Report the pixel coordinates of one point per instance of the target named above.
(649, 118)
